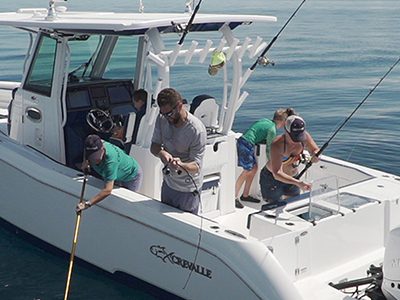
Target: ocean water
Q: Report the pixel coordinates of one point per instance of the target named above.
(326, 61)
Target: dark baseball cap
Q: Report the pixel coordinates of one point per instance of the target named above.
(296, 127)
(93, 146)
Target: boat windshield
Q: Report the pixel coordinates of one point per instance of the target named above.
(99, 57)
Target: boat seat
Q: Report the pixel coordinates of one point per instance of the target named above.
(206, 109)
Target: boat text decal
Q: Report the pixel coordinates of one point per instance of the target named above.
(174, 259)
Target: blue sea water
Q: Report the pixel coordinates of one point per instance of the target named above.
(326, 61)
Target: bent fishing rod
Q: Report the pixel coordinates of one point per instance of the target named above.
(309, 164)
(262, 55)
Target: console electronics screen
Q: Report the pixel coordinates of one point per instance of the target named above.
(98, 92)
(120, 94)
(78, 99)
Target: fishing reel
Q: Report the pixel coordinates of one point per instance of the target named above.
(265, 61)
(166, 170)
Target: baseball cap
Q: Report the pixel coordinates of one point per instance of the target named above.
(296, 127)
(93, 146)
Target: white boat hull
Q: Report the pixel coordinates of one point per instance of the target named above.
(136, 236)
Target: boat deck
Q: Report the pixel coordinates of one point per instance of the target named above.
(332, 233)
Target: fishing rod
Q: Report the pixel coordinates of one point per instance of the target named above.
(261, 58)
(187, 28)
(309, 164)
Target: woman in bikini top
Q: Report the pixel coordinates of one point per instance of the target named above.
(291, 162)
(286, 151)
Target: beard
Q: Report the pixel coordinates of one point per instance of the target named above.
(175, 120)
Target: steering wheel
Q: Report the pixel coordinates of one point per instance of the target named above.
(100, 120)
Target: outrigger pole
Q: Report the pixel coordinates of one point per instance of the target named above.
(309, 164)
(261, 57)
(187, 28)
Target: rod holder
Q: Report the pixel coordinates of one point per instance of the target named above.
(155, 39)
(189, 53)
(260, 48)
(156, 59)
(241, 99)
(221, 45)
(172, 57)
(158, 87)
(232, 48)
(254, 47)
(245, 77)
(244, 47)
(205, 51)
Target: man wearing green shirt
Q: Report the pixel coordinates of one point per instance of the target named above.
(113, 165)
(260, 132)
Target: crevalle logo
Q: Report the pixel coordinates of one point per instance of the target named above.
(174, 259)
(395, 262)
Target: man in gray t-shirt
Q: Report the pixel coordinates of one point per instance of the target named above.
(179, 140)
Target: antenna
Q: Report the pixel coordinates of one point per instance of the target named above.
(189, 6)
(51, 13)
(141, 6)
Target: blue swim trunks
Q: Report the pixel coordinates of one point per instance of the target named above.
(246, 156)
(272, 190)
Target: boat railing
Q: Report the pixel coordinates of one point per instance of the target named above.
(6, 88)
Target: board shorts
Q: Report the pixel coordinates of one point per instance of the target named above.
(246, 156)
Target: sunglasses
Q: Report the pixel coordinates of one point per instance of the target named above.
(170, 113)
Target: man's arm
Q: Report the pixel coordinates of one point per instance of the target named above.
(191, 167)
(197, 150)
(107, 189)
(158, 151)
(155, 149)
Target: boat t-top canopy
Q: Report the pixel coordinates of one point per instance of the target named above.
(121, 23)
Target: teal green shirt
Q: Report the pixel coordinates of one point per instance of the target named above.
(117, 165)
(262, 131)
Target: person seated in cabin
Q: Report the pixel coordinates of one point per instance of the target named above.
(118, 129)
(262, 131)
(140, 104)
(113, 165)
(278, 178)
(179, 140)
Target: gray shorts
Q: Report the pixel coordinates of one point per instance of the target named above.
(135, 183)
(186, 201)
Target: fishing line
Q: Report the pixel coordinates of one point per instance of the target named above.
(357, 144)
(201, 224)
(197, 192)
(310, 163)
